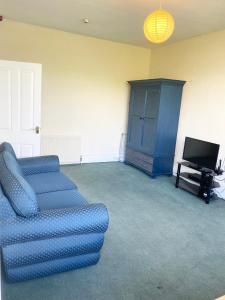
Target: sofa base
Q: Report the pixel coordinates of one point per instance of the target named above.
(35, 252)
(51, 267)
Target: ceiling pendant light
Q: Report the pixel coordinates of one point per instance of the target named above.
(159, 26)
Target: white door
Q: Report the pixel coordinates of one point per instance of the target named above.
(20, 106)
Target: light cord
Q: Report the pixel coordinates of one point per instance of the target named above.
(160, 4)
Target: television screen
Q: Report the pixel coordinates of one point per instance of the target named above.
(201, 153)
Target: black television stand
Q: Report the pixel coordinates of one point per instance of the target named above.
(200, 184)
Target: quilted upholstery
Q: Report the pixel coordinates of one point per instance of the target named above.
(6, 210)
(18, 191)
(60, 199)
(53, 241)
(91, 218)
(18, 255)
(51, 267)
(39, 164)
(50, 182)
(7, 147)
(65, 233)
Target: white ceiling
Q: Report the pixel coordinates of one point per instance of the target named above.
(117, 20)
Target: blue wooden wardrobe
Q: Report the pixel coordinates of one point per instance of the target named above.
(152, 124)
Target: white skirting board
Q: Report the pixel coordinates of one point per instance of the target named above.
(67, 147)
(99, 158)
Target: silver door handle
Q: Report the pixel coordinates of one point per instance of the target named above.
(37, 129)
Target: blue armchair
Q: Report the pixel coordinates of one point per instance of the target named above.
(47, 226)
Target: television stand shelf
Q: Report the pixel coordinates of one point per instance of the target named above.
(200, 184)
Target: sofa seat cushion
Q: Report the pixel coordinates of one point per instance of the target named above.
(50, 182)
(60, 199)
(15, 187)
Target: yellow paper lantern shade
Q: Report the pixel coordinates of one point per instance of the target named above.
(159, 26)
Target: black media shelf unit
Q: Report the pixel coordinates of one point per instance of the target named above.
(200, 184)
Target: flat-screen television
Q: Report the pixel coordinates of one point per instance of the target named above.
(201, 153)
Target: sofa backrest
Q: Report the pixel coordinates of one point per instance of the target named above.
(7, 147)
(6, 210)
(18, 191)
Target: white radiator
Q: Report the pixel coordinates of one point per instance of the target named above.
(67, 147)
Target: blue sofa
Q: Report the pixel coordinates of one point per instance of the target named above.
(47, 226)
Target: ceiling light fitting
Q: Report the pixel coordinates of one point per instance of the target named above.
(159, 26)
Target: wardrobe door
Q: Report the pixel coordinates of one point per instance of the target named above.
(150, 119)
(136, 117)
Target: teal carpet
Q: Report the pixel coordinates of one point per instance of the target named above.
(162, 244)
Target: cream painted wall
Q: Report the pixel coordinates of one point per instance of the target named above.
(201, 62)
(84, 83)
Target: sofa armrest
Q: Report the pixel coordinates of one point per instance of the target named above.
(39, 164)
(92, 218)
